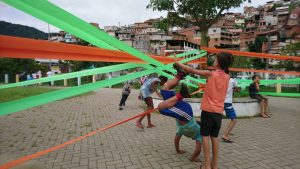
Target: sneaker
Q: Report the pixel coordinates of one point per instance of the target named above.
(180, 72)
(184, 91)
(120, 108)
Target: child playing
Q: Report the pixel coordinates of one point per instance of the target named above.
(253, 92)
(149, 87)
(212, 104)
(229, 110)
(173, 106)
(125, 93)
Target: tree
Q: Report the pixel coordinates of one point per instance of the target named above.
(162, 25)
(292, 50)
(13, 66)
(201, 13)
(257, 47)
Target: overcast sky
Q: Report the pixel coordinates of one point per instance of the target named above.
(104, 12)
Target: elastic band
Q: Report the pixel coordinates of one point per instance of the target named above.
(179, 97)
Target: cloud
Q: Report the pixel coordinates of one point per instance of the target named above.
(104, 12)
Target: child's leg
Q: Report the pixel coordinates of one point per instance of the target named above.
(266, 105)
(230, 113)
(122, 102)
(206, 151)
(169, 103)
(149, 103)
(170, 84)
(150, 125)
(196, 152)
(176, 142)
(206, 122)
(215, 151)
(262, 108)
(125, 98)
(229, 129)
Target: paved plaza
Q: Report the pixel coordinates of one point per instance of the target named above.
(259, 143)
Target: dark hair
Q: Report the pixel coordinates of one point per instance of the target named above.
(225, 59)
(254, 76)
(163, 79)
(226, 71)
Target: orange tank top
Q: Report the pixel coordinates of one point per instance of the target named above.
(215, 92)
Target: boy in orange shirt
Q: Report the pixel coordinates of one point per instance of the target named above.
(212, 104)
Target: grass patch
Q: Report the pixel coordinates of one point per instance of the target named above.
(16, 93)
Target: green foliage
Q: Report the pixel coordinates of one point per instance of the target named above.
(242, 62)
(201, 13)
(18, 66)
(162, 25)
(294, 5)
(257, 47)
(274, 7)
(292, 50)
(10, 29)
(21, 92)
(79, 65)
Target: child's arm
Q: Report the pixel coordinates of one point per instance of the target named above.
(177, 139)
(257, 86)
(188, 69)
(196, 152)
(158, 94)
(237, 89)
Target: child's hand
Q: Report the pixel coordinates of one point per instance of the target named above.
(175, 57)
(181, 151)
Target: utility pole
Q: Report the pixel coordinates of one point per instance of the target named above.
(49, 38)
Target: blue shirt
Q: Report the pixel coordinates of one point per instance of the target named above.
(190, 130)
(147, 89)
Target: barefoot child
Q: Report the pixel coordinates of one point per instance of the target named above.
(212, 104)
(173, 106)
(229, 110)
(146, 90)
(125, 93)
(253, 92)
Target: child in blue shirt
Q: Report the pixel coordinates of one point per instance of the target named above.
(174, 106)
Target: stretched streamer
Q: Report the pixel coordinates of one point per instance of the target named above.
(252, 54)
(32, 101)
(280, 94)
(49, 150)
(15, 47)
(56, 16)
(73, 75)
(29, 102)
(262, 71)
(95, 71)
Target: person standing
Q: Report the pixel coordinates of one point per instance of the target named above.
(49, 74)
(125, 93)
(229, 110)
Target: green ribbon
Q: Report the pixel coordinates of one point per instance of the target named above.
(29, 102)
(56, 16)
(94, 71)
(32, 101)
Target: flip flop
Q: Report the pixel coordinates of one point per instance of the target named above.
(227, 140)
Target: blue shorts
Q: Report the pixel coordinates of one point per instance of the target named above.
(181, 111)
(229, 110)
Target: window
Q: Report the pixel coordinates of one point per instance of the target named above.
(214, 30)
